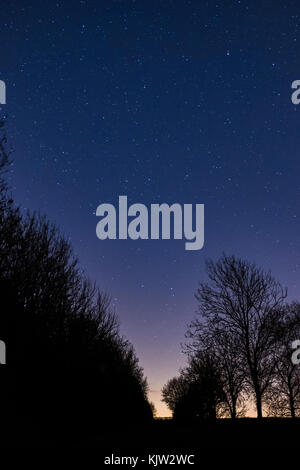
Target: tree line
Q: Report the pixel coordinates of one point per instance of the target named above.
(68, 366)
(239, 347)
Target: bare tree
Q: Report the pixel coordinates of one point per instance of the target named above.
(283, 397)
(68, 362)
(174, 390)
(197, 393)
(225, 349)
(203, 375)
(245, 303)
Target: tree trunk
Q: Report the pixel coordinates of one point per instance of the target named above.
(292, 407)
(258, 405)
(233, 410)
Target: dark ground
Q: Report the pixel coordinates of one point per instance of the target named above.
(167, 437)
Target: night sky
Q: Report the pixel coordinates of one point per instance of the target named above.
(162, 101)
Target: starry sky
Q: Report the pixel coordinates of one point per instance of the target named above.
(174, 101)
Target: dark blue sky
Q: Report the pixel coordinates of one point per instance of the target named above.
(173, 101)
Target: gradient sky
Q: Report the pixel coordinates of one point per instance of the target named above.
(162, 101)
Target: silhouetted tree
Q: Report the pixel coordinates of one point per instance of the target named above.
(223, 346)
(68, 364)
(203, 374)
(244, 302)
(153, 409)
(197, 393)
(283, 397)
(174, 391)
